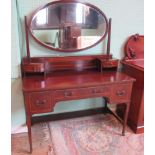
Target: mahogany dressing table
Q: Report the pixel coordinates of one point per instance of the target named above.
(48, 80)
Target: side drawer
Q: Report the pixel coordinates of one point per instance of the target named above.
(40, 102)
(121, 93)
(33, 67)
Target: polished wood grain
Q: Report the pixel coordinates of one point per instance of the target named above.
(62, 80)
(133, 65)
(137, 64)
(48, 80)
(40, 102)
(134, 47)
(52, 64)
(108, 63)
(41, 93)
(33, 67)
(136, 112)
(79, 84)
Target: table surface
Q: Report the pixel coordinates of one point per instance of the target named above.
(63, 80)
(136, 63)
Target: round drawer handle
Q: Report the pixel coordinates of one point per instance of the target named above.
(120, 92)
(68, 94)
(40, 102)
(96, 91)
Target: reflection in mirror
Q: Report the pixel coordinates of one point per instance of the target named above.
(68, 26)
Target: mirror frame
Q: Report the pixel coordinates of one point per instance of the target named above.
(67, 50)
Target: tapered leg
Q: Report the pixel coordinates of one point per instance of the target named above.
(125, 118)
(106, 106)
(29, 132)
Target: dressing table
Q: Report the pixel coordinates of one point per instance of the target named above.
(48, 80)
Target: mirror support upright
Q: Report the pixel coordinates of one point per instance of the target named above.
(109, 37)
(27, 39)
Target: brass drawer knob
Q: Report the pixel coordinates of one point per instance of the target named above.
(96, 91)
(68, 94)
(40, 102)
(120, 92)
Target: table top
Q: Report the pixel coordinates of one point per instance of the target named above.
(136, 63)
(64, 80)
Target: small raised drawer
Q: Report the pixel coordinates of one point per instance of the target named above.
(33, 67)
(110, 63)
(40, 102)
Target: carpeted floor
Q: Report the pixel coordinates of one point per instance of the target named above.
(91, 135)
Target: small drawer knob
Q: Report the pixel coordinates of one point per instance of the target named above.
(40, 102)
(120, 92)
(96, 91)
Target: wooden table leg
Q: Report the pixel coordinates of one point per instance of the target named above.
(105, 106)
(125, 118)
(29, 132)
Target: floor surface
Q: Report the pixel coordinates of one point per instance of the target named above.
(91, 135)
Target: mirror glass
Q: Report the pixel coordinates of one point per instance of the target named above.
(68, 26)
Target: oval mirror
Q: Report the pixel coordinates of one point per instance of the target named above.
(68, 26)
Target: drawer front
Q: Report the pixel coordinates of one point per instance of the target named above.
(40, 102)
(110, 63)
(96, 91)
(66, 94)
(81, 93)
(33, 67)
(121, 93)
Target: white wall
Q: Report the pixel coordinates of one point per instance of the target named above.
(15, 48)
(127, 19)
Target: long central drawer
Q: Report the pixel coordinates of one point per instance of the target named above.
(70, 94)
